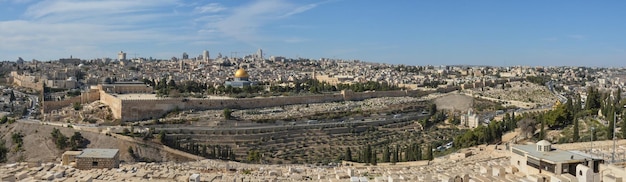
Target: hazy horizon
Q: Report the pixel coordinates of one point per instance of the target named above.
(496, 33)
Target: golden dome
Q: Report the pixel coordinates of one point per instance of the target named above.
(241, 73)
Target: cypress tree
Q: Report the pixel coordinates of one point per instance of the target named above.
(623, 125)
(611, 119)
(430, 152)
(394, 158)
(373, 160)
(368, 154)
(348, 154)
(542, 132)
(386, 154)
(576, 133)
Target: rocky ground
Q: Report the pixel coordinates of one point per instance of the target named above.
(486, 163)
(518, 91)
(39, 147)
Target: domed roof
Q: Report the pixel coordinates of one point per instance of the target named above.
(241, 73)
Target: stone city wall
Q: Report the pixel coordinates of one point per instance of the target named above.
(133, 110)
(85, 97)
(114, 103)
(149, 109)
(31, 82)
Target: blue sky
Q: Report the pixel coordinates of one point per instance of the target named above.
(548, 33)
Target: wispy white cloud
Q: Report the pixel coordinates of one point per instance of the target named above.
(300, 9)
(91, 8)
(51, 28)
(210, 8)
(242, 23)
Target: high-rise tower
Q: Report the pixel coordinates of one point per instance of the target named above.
(259, 54)
(121, 56)
(205, 56)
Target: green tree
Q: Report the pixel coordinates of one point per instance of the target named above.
(59, 139)
(430, 152)
(374, 160)
(162, 136)
(348, 155)
(77, 106)
(394, 157)
(4, 119)
(61, 142)
(542, 132)
(623, 125)
(12, 96)
(576, 132)
(18, 141)
(386, 154)
(611, 128)
(254, 156)
(432, 109)
(77, 141)
(4, 151)
(593, 99)
(227, 113)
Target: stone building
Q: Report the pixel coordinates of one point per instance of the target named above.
(69, 157)
(98, 159)
(470, 119)
(541, 160)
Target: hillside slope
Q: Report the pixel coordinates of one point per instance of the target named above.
(39, 147)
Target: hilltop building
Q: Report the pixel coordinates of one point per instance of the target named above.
(205, 56)
(543, 161)
(470, 119)
(121, 56)
(241, 79)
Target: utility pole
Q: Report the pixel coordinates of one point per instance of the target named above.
(591, 151)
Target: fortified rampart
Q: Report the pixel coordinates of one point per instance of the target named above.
(28, 81)
(85, 97)
(141, 109)
(114, 103)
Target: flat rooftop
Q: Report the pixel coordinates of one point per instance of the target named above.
(555, 155)
(98, 153)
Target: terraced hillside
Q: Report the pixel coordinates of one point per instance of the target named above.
(304, 143)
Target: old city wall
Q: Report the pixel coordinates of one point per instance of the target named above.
(23, 81)
(26, 81)
(114, 103)
(147, 109)
(85, 97)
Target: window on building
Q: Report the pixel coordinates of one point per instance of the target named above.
(94, 163)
